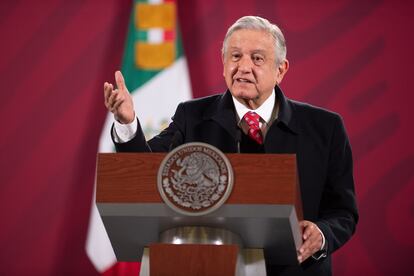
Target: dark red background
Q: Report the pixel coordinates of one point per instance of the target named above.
(353, 57)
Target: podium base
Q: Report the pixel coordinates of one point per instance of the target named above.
(252, 263)
(201, 251)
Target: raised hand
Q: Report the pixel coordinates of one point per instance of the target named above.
(119, 101)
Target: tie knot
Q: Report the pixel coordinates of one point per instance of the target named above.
(252, 118)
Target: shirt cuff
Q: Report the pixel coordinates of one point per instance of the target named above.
(125, 132)
(323, 239)
(322, 252)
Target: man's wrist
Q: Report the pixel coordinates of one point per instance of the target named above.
(322, 253)
(125, 132)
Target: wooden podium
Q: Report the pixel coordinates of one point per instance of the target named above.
(262, 212)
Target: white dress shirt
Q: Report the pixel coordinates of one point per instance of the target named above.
(268, 112)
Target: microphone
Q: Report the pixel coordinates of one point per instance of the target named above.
(176, 140)
(238, 139)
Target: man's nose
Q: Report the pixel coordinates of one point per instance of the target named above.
(245, 64)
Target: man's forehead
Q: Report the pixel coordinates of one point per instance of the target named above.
(257, 44)
(250, 36)
(253, 50)
(250, 33)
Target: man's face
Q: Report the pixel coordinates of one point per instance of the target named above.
(250, 68)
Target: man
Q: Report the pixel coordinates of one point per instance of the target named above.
(253, 115)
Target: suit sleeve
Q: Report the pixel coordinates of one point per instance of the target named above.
(172, 136)
(338, 214)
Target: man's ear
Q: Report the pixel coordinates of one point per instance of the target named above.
(282, 70)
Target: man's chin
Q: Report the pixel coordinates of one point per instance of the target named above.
(245, 95)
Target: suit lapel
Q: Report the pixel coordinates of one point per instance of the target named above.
(282, 136)
(219, 126)
(223, 113)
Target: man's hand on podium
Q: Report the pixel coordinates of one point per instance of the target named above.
(312, 240)
(119, 101)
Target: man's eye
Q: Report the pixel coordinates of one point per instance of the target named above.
(235, 56)
(258, 59)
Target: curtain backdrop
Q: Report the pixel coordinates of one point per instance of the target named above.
(353, 57)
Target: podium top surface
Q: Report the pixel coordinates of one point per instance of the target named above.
(258, 178)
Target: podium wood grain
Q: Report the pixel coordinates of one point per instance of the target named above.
(132, 177)
(193, 259)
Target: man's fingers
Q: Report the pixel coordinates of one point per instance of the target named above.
(303, 247)
(113, 98)
(304, 224)
(308, 248)
(118, 101)
(107, 91)
(307, 244)
(311, 240)
(307, 228)
(305, 251)
(120, 82)
(116, 105)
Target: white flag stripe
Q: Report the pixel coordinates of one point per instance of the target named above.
(98, 246)
(166, 91)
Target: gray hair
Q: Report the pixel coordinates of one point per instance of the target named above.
(262, 24)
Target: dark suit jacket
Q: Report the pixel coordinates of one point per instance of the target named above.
(319, 140)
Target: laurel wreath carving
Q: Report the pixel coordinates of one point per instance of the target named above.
(196, 183)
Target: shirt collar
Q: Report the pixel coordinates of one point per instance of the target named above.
(264, 111)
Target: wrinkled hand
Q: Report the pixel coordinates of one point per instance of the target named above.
(119, 101)
(312, 240)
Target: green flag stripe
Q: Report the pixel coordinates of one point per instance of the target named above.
(141, 35)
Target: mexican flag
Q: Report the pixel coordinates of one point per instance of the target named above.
(155, 72)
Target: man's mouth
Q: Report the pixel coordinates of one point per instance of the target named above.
(243, 80)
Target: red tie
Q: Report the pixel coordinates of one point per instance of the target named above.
(252, 120)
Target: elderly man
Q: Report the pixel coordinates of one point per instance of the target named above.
(253, 115)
